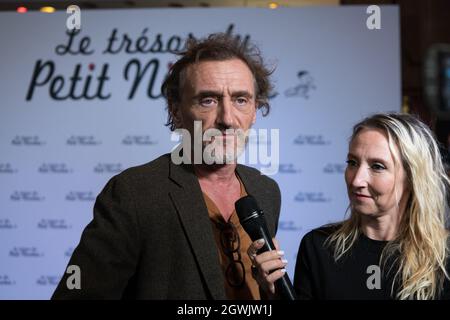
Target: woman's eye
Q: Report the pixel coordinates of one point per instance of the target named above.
(378, 167)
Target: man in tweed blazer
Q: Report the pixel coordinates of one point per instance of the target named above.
(158, 229)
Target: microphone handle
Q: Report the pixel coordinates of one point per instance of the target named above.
(284, 284)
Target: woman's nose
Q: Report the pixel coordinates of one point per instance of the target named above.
(360, 176)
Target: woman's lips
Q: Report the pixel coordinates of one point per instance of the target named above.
(361, 196)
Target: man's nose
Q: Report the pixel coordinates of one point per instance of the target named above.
(225, 117)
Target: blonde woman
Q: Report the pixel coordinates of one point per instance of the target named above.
(394, 244)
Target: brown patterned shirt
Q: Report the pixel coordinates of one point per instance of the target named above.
(232, 243)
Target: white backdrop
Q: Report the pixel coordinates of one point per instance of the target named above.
(57, 150)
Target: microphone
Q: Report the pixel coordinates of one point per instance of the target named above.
(253, 222)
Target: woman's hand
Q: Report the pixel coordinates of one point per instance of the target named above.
(268, 266)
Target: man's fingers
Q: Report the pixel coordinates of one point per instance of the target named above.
(268, 256)
(268, 266)
(254, 247)
(274, 276)
(258, 244)
(272, 288)
(276, 244)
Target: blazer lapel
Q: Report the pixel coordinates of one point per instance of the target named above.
(188, 201)
(252, 184)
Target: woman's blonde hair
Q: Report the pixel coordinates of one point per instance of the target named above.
(420, 249)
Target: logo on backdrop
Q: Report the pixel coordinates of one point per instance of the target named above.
(288, 168)
(311, 140)
(303, 87)
(26, 196)
(27, 141)
(54, 168)
(5, 280)
(48, 280)
(80, 196)
(53, 224)
(288, 225)
(331, 168)
(82, 141)
(90, 81)
(108, 168)
(312, 197)
(7, 168)
(27, 252)
(7, 224)
(138, 140)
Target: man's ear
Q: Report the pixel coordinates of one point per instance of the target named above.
(254, 116)
(176, 115)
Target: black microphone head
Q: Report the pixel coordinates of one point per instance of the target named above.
(246, 207)
(252, 219)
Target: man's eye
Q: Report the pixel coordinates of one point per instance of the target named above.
(208, 102)
(241, 101)
(351, 163)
